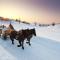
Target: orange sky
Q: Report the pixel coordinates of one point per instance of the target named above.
(18, 9)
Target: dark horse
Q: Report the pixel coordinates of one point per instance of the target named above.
(22, 35)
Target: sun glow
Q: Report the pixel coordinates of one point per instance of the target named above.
(8, 14)
(25, 12)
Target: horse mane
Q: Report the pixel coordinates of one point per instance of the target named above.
(11, 26)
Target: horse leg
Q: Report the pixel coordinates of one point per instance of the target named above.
(28, 39)
(12, 40)
(23, 45)
(29, 42)
(19, 43)
(4, 36)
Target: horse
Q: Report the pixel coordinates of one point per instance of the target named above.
(7, 31)
(1, 29)
(0, 32)
(13, 35)
(22, 35)
(28, 33)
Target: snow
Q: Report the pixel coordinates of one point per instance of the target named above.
(45, 46)
(51, 32)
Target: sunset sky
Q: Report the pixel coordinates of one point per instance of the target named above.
(40, 11)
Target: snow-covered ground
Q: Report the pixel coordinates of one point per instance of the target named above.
(45, 46)
(50, 32)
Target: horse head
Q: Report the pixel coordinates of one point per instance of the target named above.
(33, 31)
